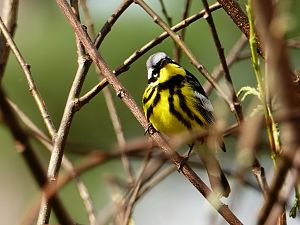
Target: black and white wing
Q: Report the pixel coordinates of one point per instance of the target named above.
(202, 104)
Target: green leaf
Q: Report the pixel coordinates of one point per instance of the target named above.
(247, 90)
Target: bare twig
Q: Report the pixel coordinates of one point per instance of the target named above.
(169, 22)
(182, 33)
(130, 103)
(98, 40)
(164, 11)
(110, 22)
(220, 49)
(9, 16)
(32, 87)
(233, 9)
(232, 57)
(110, 105)
(24, 147)
(59, 140)
(67, 164)
(133, 196)
(247, 148)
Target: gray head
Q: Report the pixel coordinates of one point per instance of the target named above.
(154, 63)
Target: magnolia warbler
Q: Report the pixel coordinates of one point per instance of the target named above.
(173, 102)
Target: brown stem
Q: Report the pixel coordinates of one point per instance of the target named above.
(32, 87)
(24, 147)
(233, 56)
(236, 103)
(110, 104)
(9, 16)
(233, 9)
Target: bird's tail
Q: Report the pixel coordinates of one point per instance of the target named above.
(217, 179)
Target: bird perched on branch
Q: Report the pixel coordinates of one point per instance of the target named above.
(173, 102)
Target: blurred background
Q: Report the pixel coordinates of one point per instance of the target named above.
(47, 43)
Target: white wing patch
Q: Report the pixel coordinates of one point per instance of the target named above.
(205, 102)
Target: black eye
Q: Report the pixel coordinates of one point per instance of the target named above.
(152, 79)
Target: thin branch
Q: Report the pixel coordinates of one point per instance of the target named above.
(98, 40)
(9, 16)
(133, 196)
(182, 33)
(130, 103)
(232, 57)
(138, 53)
(110, 104)
(59, 140)
(169, 22)
(67, 164)
(220, 49)
(111, 21)
(32, 87)
(24, 147)
(165, 13)
(233, 9)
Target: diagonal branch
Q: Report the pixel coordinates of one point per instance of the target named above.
(31, 159)
(110, 103)
(32, 87)
(220, 49)
(233, 9)
(9, 16)
(232, 57)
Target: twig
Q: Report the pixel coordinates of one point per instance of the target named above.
(138, 53)
(130, 103)
(135, 190)
(67, 164)
(9, 16)
(220, 49)
(32, 87)
(59, 140)
(169, 22)
(247, 145)
(24, 147)
(110, 22)
(233, 9)
(98, 40)
(165, 13)
(182, 33)
(232, 57)
(110, 105)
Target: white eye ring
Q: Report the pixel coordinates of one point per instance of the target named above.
(149, 73)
